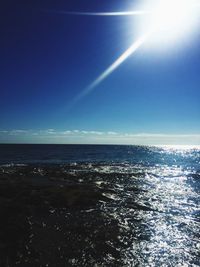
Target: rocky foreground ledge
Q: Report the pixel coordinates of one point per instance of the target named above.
(53, 217)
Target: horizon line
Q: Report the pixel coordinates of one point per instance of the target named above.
(103, 144)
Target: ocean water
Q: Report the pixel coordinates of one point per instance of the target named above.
(150, 215)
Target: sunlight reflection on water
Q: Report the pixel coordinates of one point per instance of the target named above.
(150, 204)
(166, 235)
(162, 221)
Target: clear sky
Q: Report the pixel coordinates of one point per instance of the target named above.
(48, 58)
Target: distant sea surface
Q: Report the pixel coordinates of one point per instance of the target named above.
(150, 215)
(61, 154)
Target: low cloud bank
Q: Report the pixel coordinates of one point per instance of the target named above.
(95, 137)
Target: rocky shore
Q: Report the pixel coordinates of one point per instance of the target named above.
(51, 217)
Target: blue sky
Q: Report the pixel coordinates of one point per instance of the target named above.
(48, 59)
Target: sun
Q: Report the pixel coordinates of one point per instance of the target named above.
(171, 21)
(157, 25)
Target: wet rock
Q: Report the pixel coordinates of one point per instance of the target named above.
(37, 219)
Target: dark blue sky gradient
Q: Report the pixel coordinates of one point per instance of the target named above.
(47, 59)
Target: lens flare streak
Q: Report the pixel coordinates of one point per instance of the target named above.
(122, 13)
(113, 66)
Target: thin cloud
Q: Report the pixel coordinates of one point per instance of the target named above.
(18, 132)
(112, 133)
(96, 137)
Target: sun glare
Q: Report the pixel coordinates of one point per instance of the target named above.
(173, 21)
(158, 25)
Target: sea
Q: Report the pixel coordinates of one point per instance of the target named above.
(134, 206)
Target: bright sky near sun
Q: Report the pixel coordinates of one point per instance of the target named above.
(100, 72)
